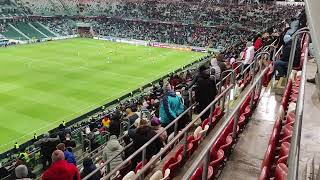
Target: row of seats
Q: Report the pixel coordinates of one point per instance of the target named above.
(274, 164)
(275, 160)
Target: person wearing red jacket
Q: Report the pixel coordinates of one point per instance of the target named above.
(60, 168)
(258, 42)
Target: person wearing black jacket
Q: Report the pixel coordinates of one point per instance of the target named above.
(89, 167)
(205, 92)
(141, 136)
(281, 65)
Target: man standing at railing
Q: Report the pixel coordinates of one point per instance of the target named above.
(205, 92)
(171, 107)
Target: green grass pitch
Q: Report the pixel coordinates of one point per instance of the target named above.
(43, 84)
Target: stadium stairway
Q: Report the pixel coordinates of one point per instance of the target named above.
(14, 33)
(43, 29)
(38, 30)
(245, 160)
(29, 30)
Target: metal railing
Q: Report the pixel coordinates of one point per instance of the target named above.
(220, 100)
(184, 133)
(205, 153)
(294, 152)
(175, 123)
(294, 47)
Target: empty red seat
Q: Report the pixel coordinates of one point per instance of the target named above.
(174, 166)
(197, 175)
(180, 150)
(281, 172)
(217, 159)
(283, 159)
(242, 121)
(284, 149)
(167, 163)
(226, 147)
(125, 169)
(268, 157)
(264, 173)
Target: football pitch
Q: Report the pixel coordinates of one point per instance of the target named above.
(43, 84)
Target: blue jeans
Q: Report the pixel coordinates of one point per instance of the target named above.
(281, 67)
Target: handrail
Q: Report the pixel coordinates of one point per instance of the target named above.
(294, 47)
(294, 152)
(204, 154)
(183, 132)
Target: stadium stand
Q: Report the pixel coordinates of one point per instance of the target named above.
(171, 22)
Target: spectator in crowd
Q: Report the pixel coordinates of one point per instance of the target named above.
(112, 148)
(215, 69)
(248, 55)
(156, 126)
(69, 157)
(89, 167)
(205, 92)
(258, 42)
(171, 107)
(141, 136)
(21, 160)
(21, 172)
(281, 65)
(106, 122)
(115, 123)
(60, 168)
(3, 171)
(47, 146)
(131, 116)
(69, 143)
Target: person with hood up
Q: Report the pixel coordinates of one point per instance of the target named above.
(281, 65)
(60, 169)
(112, 148)
(89, 167)
(205, 92)
(171, 107)
(141, 136)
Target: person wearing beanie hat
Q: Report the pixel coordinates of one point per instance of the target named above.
(69, 157)
(142, 135)
(60, 169)
(112, 148)
(156, 126)
(21, 172)
(281, 65)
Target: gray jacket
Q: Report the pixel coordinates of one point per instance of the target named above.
(112, 148)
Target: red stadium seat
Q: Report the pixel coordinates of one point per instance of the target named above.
(204, 123)
(264, 173)
(197, 175)
(166, 165)
(226, 147)
(242, 121)
(217, 159)
(284, 149)
(174, 166)
(281, 172)
(283, 160)
(180, 150)
(125, 169)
